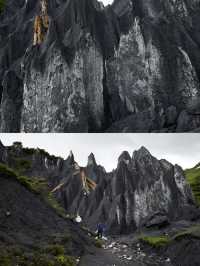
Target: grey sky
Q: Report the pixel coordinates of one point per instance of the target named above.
(183, 149)
(106, 2)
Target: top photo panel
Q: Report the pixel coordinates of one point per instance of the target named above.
(91, 66)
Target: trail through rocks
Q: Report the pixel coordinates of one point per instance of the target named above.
(120, 252)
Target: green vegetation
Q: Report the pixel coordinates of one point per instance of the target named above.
(31, 151)
(162, 241)
(28, 151)
(37, 186)
(65, 260)
(193, 178)
(39, 258)
(21, 165)
(98, 243)
(7, 172)
(50, 199)
(2, 4)
(155, 241)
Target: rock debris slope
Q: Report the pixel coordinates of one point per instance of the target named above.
(77, 66)
(141, 192)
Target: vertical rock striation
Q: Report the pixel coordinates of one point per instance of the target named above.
(132, 66)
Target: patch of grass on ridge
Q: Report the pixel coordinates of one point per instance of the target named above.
(36, 186)
(162, 241)
(193, 178)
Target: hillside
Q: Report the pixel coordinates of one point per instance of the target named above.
(31, 230)
(77, 66)
(193, 177)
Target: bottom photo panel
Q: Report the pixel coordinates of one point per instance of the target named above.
(99, 199)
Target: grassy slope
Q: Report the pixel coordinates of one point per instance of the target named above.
(37, 186)
(193, 178)
(51, 255)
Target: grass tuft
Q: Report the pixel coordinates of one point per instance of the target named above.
(155, 241)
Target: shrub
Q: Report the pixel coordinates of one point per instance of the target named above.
(65, 260)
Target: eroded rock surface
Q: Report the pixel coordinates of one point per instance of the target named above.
(141, 192)
(129, 67)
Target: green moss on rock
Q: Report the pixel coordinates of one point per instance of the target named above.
(7, 172)
(2, 5)
(155, 241)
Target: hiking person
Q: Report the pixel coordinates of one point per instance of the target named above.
(100, 230)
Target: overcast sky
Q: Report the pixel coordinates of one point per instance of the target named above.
(183, 149)
(106, 2)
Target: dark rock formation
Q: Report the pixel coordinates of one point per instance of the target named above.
(129, 67)
(141, 191)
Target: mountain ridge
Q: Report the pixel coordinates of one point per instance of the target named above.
(141, 191)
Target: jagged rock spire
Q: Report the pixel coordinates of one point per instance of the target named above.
(70, 159)
(141, 153)
(91, 160)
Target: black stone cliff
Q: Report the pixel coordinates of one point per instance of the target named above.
(77, 66)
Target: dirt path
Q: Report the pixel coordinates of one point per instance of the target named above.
(119, 252)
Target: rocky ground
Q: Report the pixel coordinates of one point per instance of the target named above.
(119, 251)
(181, 248)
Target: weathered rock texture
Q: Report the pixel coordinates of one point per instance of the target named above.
(142, 191)
(133, 66)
